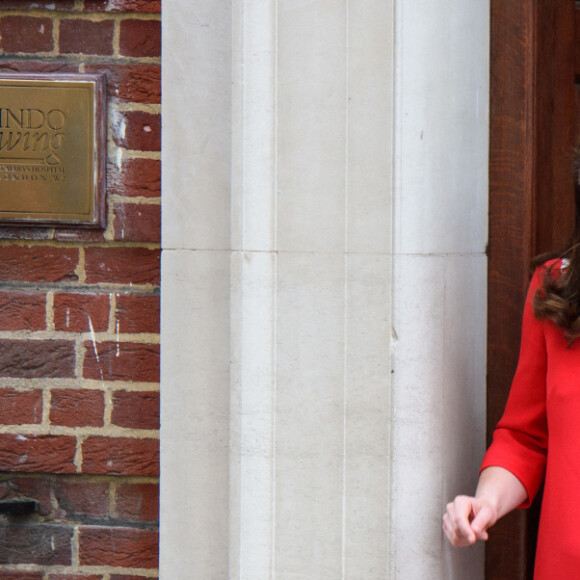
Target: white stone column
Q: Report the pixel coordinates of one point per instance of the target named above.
(439, 316)
(300, 140)
(195, 295)
(311, 270)
(254, 291)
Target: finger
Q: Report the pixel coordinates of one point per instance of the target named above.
(461, 513)
(455, 534)
(482, 521)
(452, 536)
(449, 531)
(448, 527)
(462, 543)
(454, 539)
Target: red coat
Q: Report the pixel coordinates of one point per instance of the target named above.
(539, 436)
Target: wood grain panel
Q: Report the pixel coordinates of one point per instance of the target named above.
(510, 239)
(554, 124)
(577, 45)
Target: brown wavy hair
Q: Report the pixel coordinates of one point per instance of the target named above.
(558, 299)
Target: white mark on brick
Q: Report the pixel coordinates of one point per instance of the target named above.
(23, 458)
(120, 216)
(147, 129)
(119, 158)
(21, 438)
(67, 317)
(117, 337)
(93, 339)
(95, 350)
(123, 127)
(119, 126)
(41, 29)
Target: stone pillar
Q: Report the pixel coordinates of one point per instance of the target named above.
(196, 289)
(311, 269)
(292, 131)
(439, 315)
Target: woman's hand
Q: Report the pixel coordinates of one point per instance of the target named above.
(467, 520)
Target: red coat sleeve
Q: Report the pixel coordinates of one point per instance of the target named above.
(520, 441)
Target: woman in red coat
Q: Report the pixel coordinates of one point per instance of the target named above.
(538, 437)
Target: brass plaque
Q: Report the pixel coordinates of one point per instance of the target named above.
(52, 149)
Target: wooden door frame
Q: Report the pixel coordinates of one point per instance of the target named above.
(531, 142)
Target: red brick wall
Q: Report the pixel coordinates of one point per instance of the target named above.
(79, 318)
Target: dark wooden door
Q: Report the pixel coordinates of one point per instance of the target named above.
(533, 133)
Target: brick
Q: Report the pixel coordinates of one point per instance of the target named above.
(78, 235)
(38, 65)
(135, 177)
(15, 575)
(138, 502)
(82, 498)
(138, 130)
(82, 36)
(36, 4)
(26, 34)
(77, 408)
(121, 361)
(131, 83)
(76, 312)
(118, 547)
(140, 38)
(74, 577)
(135, 410)
(151, 6)
(20, 407)
(137, 222)
(38, 264)
(37, 453)
(121, 456)
(47, 545)
(31, 488)
(24, 233)
(32, 359)
(122, 265)
(137, 313)
(22, 311)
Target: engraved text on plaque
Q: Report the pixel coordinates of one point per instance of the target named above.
(52, 149)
